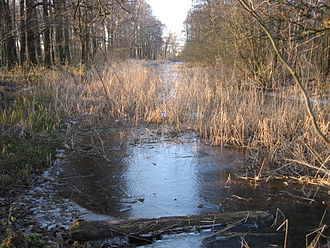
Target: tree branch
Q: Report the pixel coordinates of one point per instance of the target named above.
(303, 91)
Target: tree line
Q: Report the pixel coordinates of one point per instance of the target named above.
(52, 32)
(222, 32)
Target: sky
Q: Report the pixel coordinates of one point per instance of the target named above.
(172, 13)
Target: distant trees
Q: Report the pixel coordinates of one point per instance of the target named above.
(171, 46)
(49, 32)
(219, 31)
(147, 39)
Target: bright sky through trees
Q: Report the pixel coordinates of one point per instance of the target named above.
(171, 12)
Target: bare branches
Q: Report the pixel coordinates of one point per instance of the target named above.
(249, 8)
(122, 6)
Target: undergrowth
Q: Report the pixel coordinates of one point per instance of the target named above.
(29, 133)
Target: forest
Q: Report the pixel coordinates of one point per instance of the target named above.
(224, 32)
(70, 32)
(105, 114)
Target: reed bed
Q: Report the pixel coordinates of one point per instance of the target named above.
(122, 93)
(216, 104)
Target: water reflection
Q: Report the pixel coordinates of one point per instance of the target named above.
(92, 174)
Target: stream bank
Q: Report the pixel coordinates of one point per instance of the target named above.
(153, 171)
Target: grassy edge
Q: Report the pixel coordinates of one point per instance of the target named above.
(29, 135)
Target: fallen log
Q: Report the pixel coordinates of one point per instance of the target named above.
(83, 230)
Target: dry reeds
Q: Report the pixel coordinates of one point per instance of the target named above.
(99, 95)
(278, 128)
(213, 103)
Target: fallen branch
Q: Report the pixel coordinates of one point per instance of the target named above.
(95, 230)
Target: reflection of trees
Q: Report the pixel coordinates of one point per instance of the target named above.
(93, 181)
(170, 47)
(214, 165)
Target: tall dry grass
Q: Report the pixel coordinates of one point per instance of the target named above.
(124, 93)
(217, 105)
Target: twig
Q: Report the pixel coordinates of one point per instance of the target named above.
(111, 102)
(286, 223)
(224, 230)
(314, 242)
(241, 198)
(121, 6)
(327, 172)
(278, 212)
(299, 197)
(244, 243)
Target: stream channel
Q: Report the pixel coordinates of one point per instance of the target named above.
(152, 171)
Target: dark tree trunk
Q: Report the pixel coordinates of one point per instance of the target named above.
(66, 34)
(47, 40)
(67, 43)
(84, 37)
(84, 46)
(37, 41)
(325, 62)
(52, 35)
(59, 30)
(23, 32)
(31, 24)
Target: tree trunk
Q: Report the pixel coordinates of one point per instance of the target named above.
(326, 66)
(30, 26)
(37, 41)
(66, 34)
(23, 32)
(47, 60)
(59, 31)
(67, 42)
